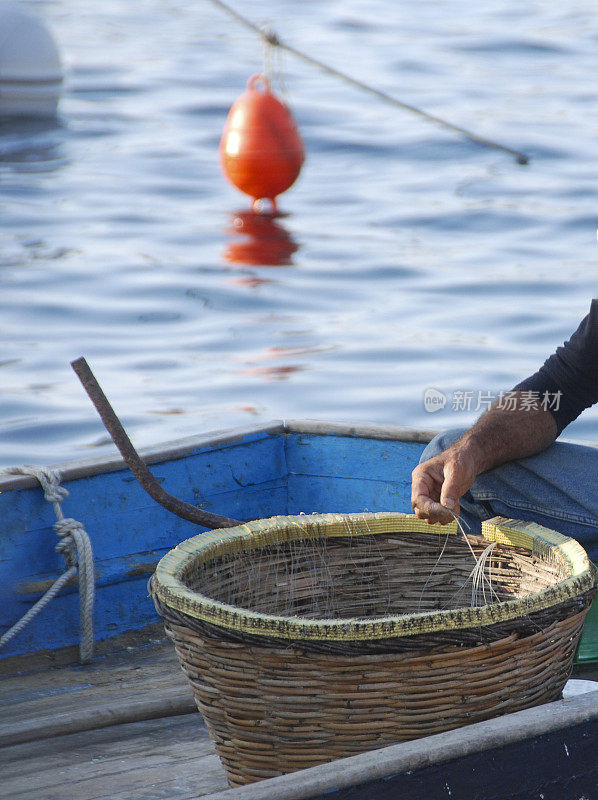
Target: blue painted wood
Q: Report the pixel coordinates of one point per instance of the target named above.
(119, 607)
(349, 474)
(213, 479)
(351, 457)
(127, 528)
(317, 494)
(258, 475)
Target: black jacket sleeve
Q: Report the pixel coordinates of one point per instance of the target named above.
(572, 370)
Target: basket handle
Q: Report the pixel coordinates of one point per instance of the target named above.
(134, 461)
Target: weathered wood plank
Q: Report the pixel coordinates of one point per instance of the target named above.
(344, 473)
(347, 495)
(154, 658)
(124, 687)
(170, 758)
(351, 457)
(155, 454)
(141, 705)
(360, 430)
(154, 759)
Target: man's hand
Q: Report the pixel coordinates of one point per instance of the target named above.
(439, 484)
(500, 435)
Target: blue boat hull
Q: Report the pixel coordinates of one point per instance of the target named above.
(252, 474)
(281, 468)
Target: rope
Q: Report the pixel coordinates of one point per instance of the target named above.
(75, 547)
(270, 37)
(39, 606)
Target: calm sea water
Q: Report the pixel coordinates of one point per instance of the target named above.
(407, 257)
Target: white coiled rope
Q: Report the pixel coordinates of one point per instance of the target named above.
(75, 548)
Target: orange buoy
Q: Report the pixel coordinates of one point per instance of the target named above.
(261, 151)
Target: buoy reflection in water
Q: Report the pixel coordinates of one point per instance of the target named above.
(260, 241)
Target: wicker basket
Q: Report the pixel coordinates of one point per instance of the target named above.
(310, 638)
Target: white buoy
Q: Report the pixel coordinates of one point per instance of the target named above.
(30, 68)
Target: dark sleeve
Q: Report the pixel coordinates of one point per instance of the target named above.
(572, 370)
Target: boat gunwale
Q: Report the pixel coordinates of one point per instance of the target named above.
(176, 449)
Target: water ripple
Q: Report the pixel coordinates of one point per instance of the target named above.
(407, 256)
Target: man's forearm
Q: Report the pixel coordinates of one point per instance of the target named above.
(506, 434)
(501, 434)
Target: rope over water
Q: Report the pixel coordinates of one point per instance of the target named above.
(271, 38)
(75, 548)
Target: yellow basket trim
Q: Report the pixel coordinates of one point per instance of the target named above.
(539, 540)
(276, 530)
(357, 630)
(172, 592)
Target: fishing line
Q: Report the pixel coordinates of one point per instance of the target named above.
(271, 38)
(477, 574)
(438, 560)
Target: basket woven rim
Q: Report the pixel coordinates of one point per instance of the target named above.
(172, 592)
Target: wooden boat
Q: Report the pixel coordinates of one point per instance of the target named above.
(132, 706)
